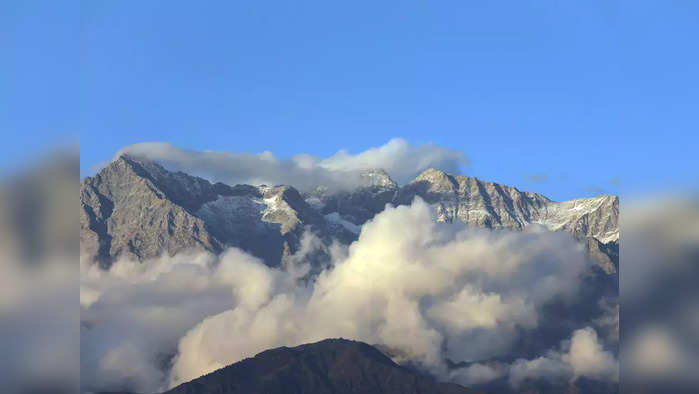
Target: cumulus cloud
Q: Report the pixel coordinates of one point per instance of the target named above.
(133, 316)
(584, 357)
(550, 367)
(479, 373)
(426, 291)
(400, 159)
(587, 357)
(401, 285)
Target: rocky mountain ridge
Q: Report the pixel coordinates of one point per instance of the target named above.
(458, 198)
(138, 209)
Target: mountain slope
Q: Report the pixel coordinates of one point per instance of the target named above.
(140, 210)
(457, 198)
(331, 366)
(129, 211)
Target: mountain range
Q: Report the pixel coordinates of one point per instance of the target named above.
(137, 209)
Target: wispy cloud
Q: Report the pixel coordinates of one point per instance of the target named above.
(538, 178)
(595, 190)
(402, 160)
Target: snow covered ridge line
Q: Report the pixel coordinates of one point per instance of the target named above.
(141, 210)
(457, 198)
(561, 215)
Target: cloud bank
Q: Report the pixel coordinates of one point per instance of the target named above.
(407, 283)
(400, 159)
(425, 291)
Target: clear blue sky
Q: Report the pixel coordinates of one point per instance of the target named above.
(579, 92)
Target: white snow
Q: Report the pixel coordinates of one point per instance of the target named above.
(228, 208)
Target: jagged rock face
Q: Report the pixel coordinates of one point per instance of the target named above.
(472, 201)
(336, 366)
(129, 211)
(139, 210)
(593, 221)
(457, 198)
(359, 205)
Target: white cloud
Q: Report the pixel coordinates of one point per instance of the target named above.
(471, 308)
(133, 316)
(398, 286)
(400, 159)
(588, 358)
(550, 367)
(476, 374)
(428, 291)
(582, 356)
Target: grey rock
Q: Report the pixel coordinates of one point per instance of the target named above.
(139, 210)
(458, 198)
(474, 202)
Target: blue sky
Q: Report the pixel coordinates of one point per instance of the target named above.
(576, 93)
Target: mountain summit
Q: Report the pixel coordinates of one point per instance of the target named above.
(139, 210)
(331, 366)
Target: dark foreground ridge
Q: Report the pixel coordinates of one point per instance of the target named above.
(331, 366)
